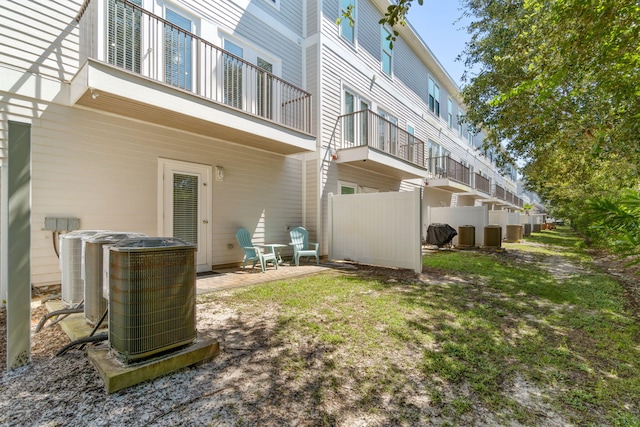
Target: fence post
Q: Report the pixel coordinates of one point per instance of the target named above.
(330, 227)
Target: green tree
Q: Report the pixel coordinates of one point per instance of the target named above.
(556, 75)
(556, 86)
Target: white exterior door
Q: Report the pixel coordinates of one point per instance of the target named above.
(185, 206)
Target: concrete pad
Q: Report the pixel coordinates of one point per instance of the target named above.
(74, 325)
(117, 376)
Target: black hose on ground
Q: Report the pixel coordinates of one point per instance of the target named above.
(97, 326)
(64, 311)
(81, 342)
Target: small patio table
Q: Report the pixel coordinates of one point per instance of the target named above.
(276, 248)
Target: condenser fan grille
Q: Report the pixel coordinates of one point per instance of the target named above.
(151, 300)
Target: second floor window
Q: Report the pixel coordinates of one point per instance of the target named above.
(356, 120)
(124, 35)
(233, 80)
(434, 97)
(348, 26)
(387, 54)
(178, 51)
(388, 132)
(450, 113)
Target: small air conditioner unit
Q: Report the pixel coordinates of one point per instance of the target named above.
(95, 303)
(71, 265)
(152, 294)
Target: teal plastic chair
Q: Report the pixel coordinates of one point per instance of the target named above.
(301, 245)
(254, 253)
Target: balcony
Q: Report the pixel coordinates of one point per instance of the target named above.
(369, 141)
(448, 174)
(139, 65)
(483, 184)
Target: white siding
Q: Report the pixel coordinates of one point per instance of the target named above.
(103, 170)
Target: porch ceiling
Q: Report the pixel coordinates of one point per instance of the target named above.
(106, 88)
(373, 160)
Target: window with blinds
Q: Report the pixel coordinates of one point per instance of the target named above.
(177, 53)
(185, 207)
(124, 35)
(233, 87)
(265, 89)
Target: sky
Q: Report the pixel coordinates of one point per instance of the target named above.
(437, 23)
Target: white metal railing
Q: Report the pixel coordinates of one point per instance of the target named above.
(366, 128)
(125, 35)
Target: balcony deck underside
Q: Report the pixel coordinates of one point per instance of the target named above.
(476, 194)
(106, 88)
(447, 184)
(377, 161)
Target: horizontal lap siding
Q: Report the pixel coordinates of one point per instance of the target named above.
(250, 26)
(40, 36)
(103, 170)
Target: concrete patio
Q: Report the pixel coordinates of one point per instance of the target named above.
(235, 277)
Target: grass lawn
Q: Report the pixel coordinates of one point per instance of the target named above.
(534, 335)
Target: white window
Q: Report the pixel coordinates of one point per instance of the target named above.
(252, 91)
(233, 75)
(177, 50)
(470, 137)
(411, 143)
(124, 36)
(387, 132)
(386, 57)
(435, 161)
(348, 26)
(434, 97)
(355, 121)
(450, 112)
(460, 119)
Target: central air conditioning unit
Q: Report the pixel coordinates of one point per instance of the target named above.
(466, 236)
(514, 233)
(92, 266)
(71, 265)
(152, 296)
(493, 236)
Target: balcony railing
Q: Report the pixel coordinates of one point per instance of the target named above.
(509, 196)
(446, 167)
(499, 192)
(366, 128)
(127, 36)
(483, 184)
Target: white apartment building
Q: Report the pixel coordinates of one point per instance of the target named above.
(191, 118)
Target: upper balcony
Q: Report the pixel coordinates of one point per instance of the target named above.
(449, 175)
(140, 65)
(371, 142)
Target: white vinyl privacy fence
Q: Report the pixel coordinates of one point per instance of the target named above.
(478, 216)
(377, 228)
(504, 218)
